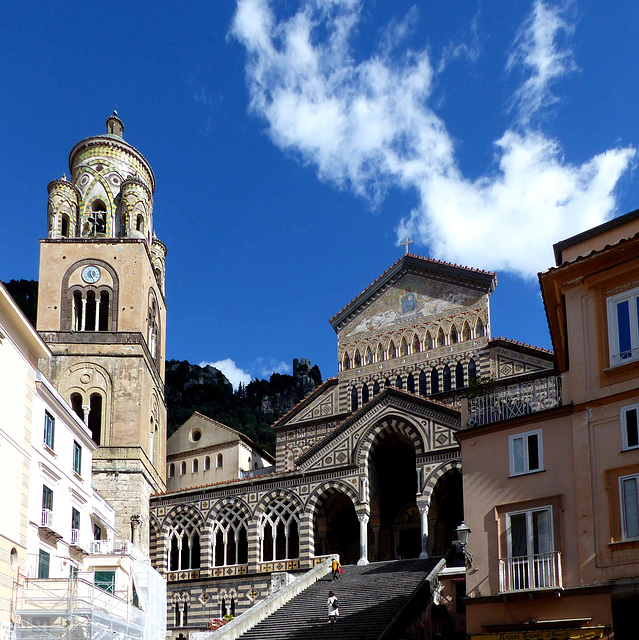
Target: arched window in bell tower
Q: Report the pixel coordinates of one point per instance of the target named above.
(76, 405)
(90, 311)
(78, 311)
(153, 327)
(139, 223)
(98, 218)
(95, 418)
(64, 226)
(103, 319)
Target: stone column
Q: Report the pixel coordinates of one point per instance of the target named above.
(423, 512)
(363, 539)
(136, 521)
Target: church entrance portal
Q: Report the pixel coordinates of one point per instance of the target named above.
(446, 512)
(337, 528)
(394, 515)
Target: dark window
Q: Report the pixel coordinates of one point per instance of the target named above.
(65, 226)
(446, 378)
(387, 383)
(354, 399)
(97, 532)
(49, 429)
(376, 388)
(76, 404)
(89, 322)
(47, 498)
(77, 458)
(399, 383)
(78, 309)
(365, 394)
(472, 370)
(434, 381)
(422, 384)
(95, 418)
(75, 518)
(44, 560)
(410, 383)
(105, 580)
(172, 470)
(453, 335)
(459, 376)
(103, 323)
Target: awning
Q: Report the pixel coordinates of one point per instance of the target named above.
(583, 633)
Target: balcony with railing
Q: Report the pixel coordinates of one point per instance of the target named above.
(47, 523)
(116, 548)
(515, 400)
(531, 573)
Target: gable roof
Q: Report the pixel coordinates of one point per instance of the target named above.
(305, 402)
(476, 279)
(389, 393)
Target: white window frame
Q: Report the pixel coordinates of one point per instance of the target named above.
(526, 457)
(530, 532)
(623, 507)
(624, 426)
(616, 358)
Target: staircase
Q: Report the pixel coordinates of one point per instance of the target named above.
(369, 598)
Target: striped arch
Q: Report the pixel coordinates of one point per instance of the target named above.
(435, 476)
(238, 503)
(278, 493)
(327, 488)
(176, 512)
(391, 424)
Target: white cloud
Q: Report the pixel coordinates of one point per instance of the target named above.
(260, 368)
(264, 367)
(234, 374)
(537, 50)
(368, 126)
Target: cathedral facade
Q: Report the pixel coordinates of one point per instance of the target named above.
(366, 466)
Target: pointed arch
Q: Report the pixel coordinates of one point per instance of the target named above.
(354, 399)
(357, 359)
(377, 431)
(428, 341)
(346, 362)
(369, 355)
(399, 383)
(279, 529)
(466, 331)
(365, 394)
(480, 330)
(459, 376)
(416, 344)
(472, 370)
(434, 381)
(403, 347)
(410, 383)
(441, 338)
(422, 384)
(446, 378)
(376, 388)
(453, 335)
(392, 351)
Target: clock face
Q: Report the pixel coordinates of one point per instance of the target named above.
(91, 274)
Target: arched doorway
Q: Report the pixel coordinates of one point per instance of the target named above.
(446, 512)
(337, 528)
(394, 516)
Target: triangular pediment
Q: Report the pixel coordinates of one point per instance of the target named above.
(413, 289)
(436, 424)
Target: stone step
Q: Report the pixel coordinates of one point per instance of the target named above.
(369, 598)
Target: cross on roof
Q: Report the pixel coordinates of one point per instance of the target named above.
(406, 243)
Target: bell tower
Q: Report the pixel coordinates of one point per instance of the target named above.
(102, 311)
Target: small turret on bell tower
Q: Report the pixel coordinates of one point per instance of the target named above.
(102, 311)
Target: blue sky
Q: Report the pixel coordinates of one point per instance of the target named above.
(294, 144)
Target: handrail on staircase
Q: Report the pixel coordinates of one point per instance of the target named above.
(258, 612)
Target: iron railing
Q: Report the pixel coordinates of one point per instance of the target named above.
(533, 572)
(514, 401)
(47, 519)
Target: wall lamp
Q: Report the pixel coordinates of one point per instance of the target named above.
(463, 531)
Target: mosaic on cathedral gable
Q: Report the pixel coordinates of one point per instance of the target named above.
(411, 300)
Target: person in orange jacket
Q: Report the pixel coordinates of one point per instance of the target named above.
(336, 566)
